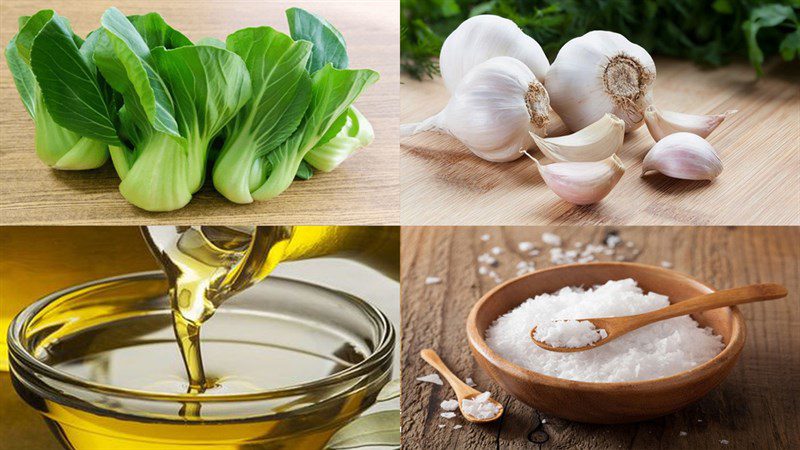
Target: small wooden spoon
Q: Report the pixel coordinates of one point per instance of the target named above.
(462, 390)
(617, 326)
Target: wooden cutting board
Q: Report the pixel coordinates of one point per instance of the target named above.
(755, 407)
(443, 183)
(363, 190)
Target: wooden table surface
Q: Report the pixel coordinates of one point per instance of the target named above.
(363, 190)
(443, 183)
(755, 407)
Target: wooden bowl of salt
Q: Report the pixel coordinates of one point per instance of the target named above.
(605, 402)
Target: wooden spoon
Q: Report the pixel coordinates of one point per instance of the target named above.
(462, 390)
(617, 326)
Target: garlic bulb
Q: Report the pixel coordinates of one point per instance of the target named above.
(683, 155)
(582, 183)
(482, 38)
(596, 142)
(598, 73)
(493, 110)
(662, 123)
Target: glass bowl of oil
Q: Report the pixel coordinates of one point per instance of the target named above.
(290, 364)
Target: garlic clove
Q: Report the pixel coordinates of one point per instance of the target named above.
(582, 183)
(663, 123)
(596, 142)
(683, 155)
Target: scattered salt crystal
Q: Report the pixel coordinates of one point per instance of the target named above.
(485, 237)
(666, 264)
(724, 442)
(544, 420)
(456, 427)
(480, 407)
(432, 378)
(448, 415)
(658, 350)
(487, 259)
(534, 252)
(525, 246)
(496, 250)
(449, 405)
(683, 433)
(441, 425)
(569, 333)
(699, 420)
(551, 239)
(470, 382)
(612, 240)
(629, 244)
(433, 280)
(483, 270)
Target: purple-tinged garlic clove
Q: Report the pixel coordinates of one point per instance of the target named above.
(663, 123)
(683, 155)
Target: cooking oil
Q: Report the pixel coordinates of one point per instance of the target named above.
(117, 338)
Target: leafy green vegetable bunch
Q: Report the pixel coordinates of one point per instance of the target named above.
(259, 109)
(708, 32)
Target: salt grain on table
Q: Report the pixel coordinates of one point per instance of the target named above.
(485, 237)
(441, 425)
(724, 442)
(432, 378)
(470, 382)
(456, 427)
(448, 415)
(683, 433)
(551, 239)
(525, 246)
(449, 405)
(666, 264)
(496, 250)
(433, 280)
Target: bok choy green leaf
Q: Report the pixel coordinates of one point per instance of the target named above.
(176, 101)
(332, 92)
(281, 95)
(70, 104)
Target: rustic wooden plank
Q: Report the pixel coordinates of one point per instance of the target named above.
(756, 407)
(442, 183)
(363, 190)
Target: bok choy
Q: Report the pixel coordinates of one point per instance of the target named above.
(257, 111)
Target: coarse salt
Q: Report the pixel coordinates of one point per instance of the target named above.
(470, 382)
(551, 239)
(496, 250)
(666, 264)
(456, 427)
(449, 405)
(525, 246)
(683, 433)
(485, 237)
(724, 442)
(657, 350)
(569, 333)
(448, 415)
(433, 280)
(432, 378)
(480, 407)
(441, 425)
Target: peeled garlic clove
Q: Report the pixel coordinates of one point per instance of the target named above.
(598, 73)
(683, 155)
(481, 38)
(663, 123)
(596, 142)
(582, 183)
(493, 110)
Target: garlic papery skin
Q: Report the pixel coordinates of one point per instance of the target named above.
(493, 111)
(598, 73)
(683, 155)
(582, 183)
(663, 123)
(481, 38)
(596, 142)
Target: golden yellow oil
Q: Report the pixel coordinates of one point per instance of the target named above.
(205, 265)
(246, 351)
(138, 352)
(36, 261)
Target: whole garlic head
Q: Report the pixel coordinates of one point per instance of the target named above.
(493, 111)
(683, 155)
(481, 38)
(598, 73)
